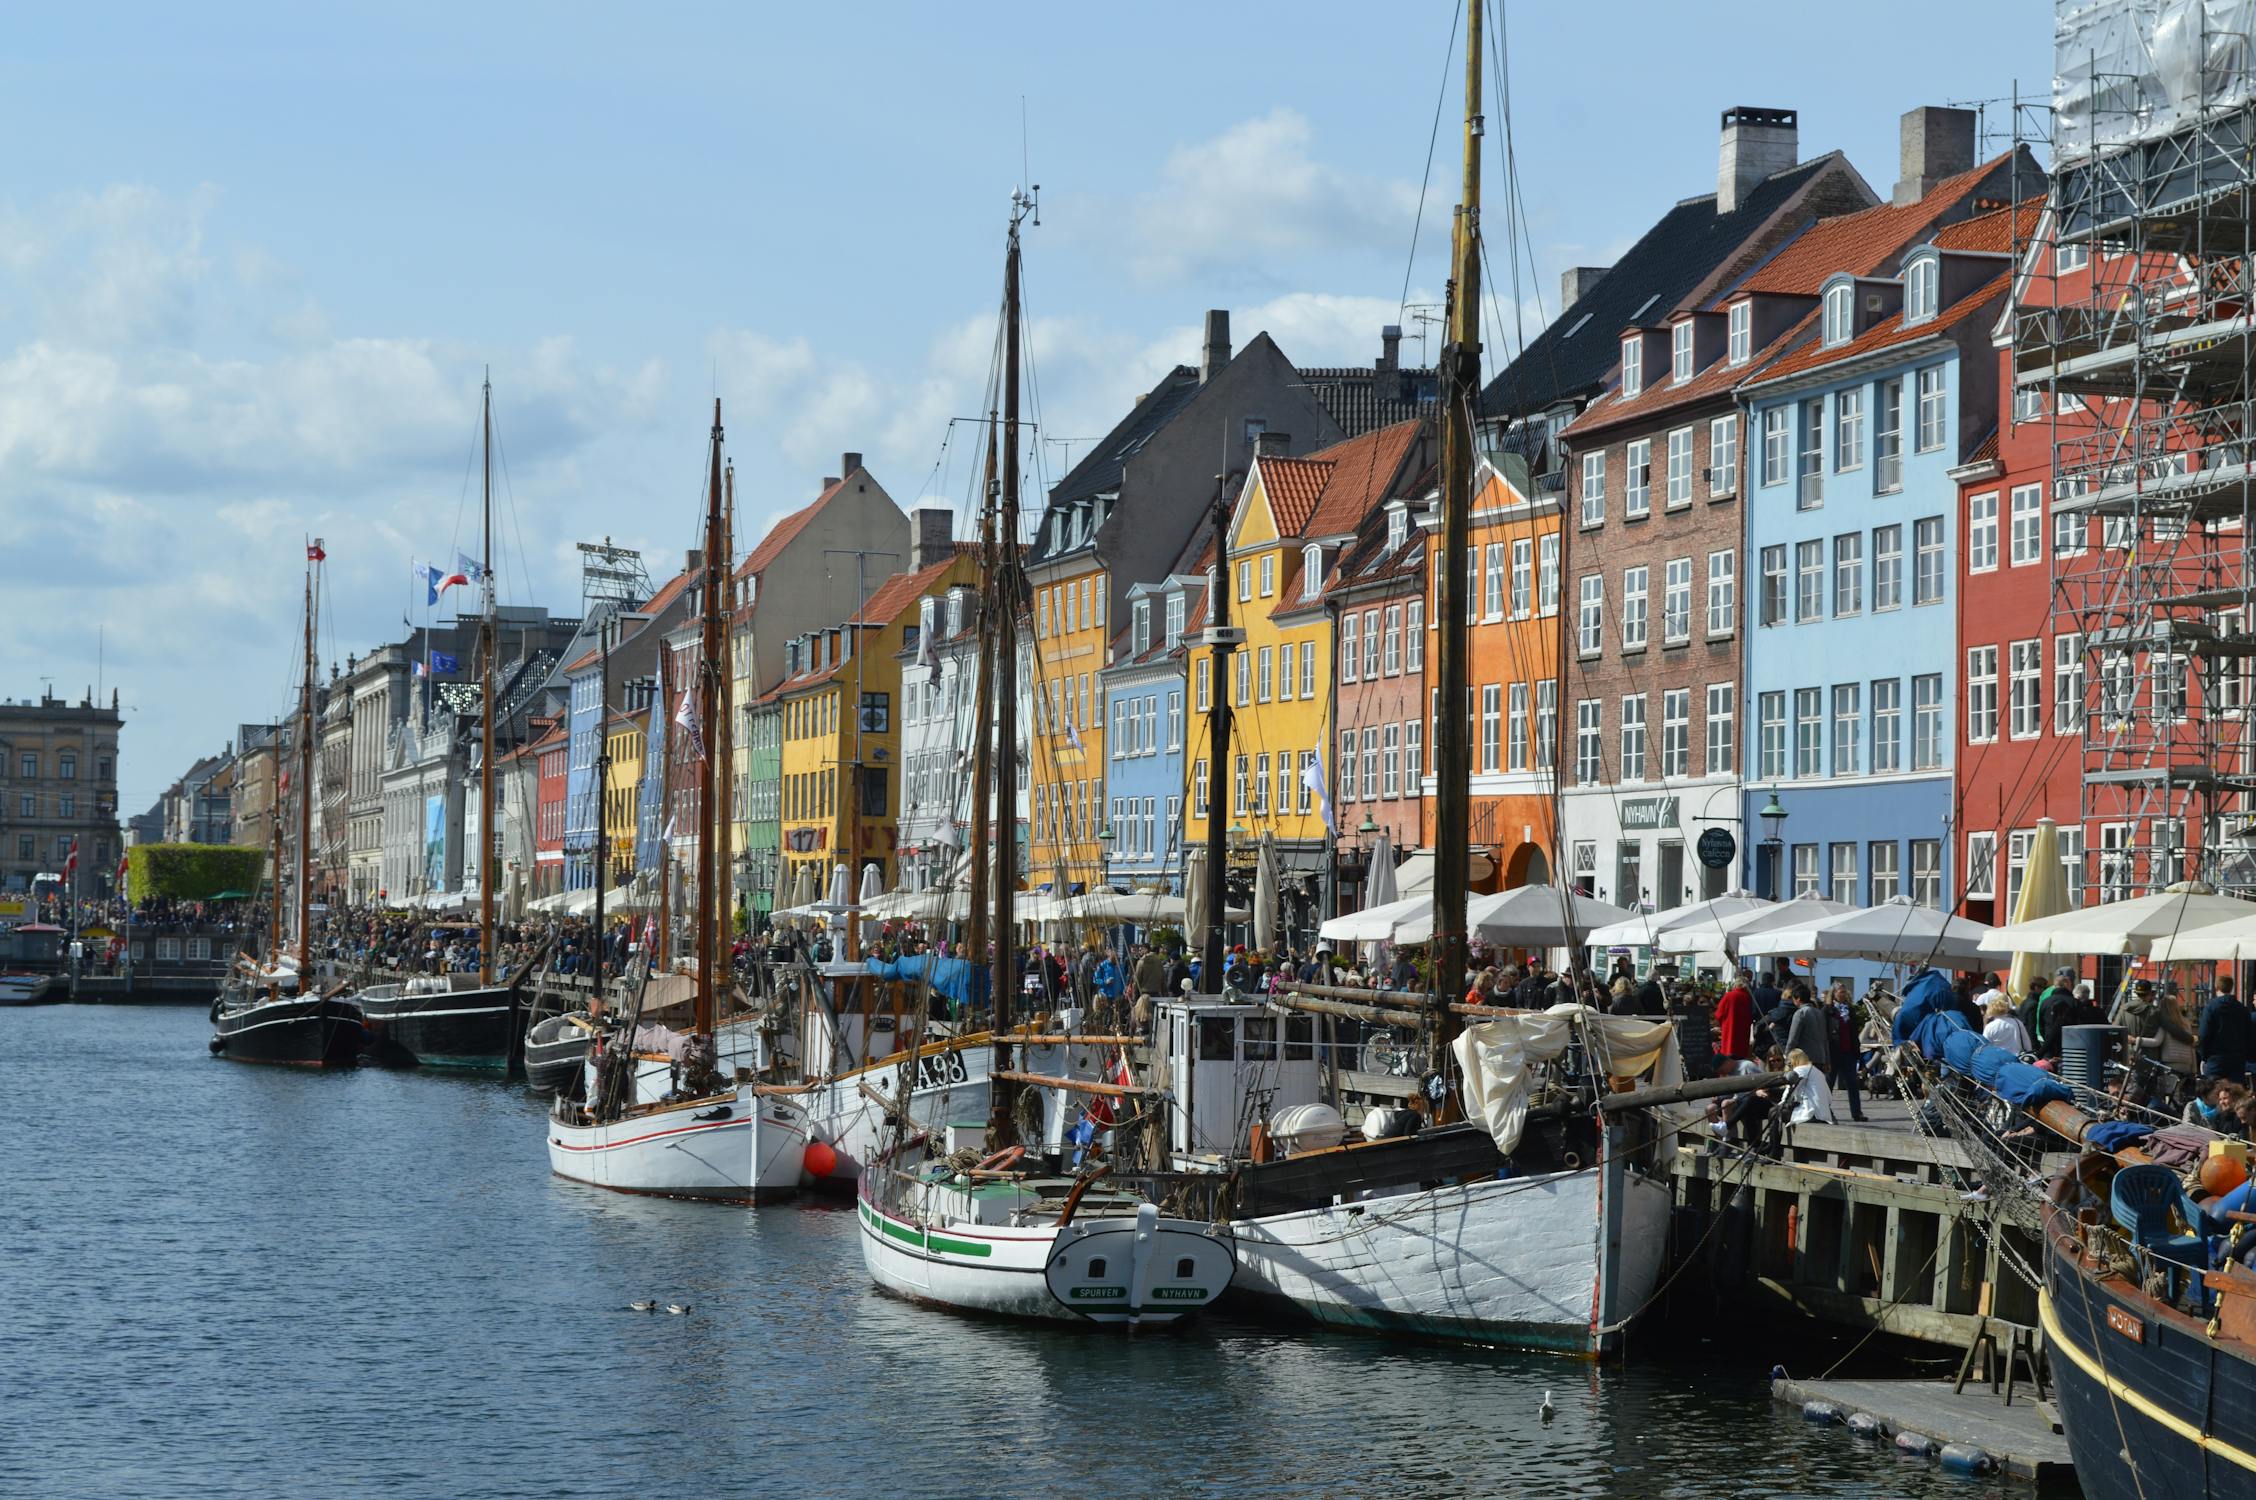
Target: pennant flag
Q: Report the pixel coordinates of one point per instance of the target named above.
(442, 664)
(686, 716)
(314, 552)
(1312, 777)
(70, 865)
(1072, 732)
(436, 580)
(467, 570)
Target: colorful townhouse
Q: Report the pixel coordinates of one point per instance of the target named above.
(1146, 689)
(554, 748)
(589, 709)
(1853, 531)
(622, 795)
(939, 692)
(1654, 482)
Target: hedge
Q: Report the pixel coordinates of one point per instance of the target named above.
(192, 872)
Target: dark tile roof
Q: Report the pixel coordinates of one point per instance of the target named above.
(1572, 357)
(1363, 398)
(1100, 470)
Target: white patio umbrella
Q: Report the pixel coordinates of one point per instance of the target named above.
(2219, 942)
(1641, 928)
(1196, 918)
(1382, 924)
(1537, 916)
(1265, 895)
(1900, 931)
(1379, 890)
(1726, 932)
(2121, 927)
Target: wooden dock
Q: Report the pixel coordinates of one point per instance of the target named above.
(2021, 1438)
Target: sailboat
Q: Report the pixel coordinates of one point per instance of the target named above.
(715, 1135)
(993, 1229)
(464, 1021)
(269, 1012)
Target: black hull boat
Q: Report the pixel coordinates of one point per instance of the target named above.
(312, 1031)
(432, 1025)
(2152, 1400)
(556, 1052)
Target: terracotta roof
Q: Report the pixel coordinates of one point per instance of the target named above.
(1859, 243)
(894, 594)
(1885, 334)
(1364, 469)
(780, 535)
(1995, 232)
(1986, 450)
(1293, 486)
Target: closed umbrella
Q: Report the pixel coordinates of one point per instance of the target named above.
(1901, 931)
(1378, 890)
(841, 887)
(873, 884)
(2121, 927)
(2044, 893)
(1639, 930)
(1538, 916)
(1196, 919)
(1265, 895)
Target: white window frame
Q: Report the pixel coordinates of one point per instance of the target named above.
(1982, 532)
(1839, 316)
(1676, 601)
(1848, 574)
(1547, 575)
(1740, 340)
(2024, 662)
(1590, 615)
(1634, 624)
(1887, 726)
(1981, 695)
(1723, 456)
(1772, 752)
(1723, 592)
(1929, 585)
(1676, 733)
(2027, 544)
(1723, 703)
(1679, 492)
(1637, 478)
(1848, 729)
(2067, 682)
(1922, 289)
(1594, 488)
(1932, 409)
(1680, 352)
(1848, 429)
(1632, 737)
(1632, 366)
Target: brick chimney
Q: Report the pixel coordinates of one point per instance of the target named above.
(1932, 143)
(1390, 347)
(1216, 352)
(931, 535)
(1268, 444)
(1756, 142)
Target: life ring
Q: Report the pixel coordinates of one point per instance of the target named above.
(1003, 1160)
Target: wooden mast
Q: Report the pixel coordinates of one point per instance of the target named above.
(1218, 744)
(709, 699)
(1460, 389)
(723, 898)
(305, 783)
(1003, 1094)
(486, 646)
(976, 935)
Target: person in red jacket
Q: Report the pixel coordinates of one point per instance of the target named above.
(1734, 1021)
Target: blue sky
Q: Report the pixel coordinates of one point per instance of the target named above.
(253, 260)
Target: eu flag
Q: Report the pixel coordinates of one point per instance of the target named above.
(441, 664)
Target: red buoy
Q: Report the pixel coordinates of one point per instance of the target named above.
(820, 1160)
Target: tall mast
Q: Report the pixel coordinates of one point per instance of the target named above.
(1218, 741)
(660, 951)
(486, 643)
(983, 711)
(709, 699)
(602, 785)
(305, 784)
(723, 898)
(1460, 388)
(1004, 627)
(274, 818)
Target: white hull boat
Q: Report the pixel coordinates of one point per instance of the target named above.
(738, 1146)
(1054, 1249)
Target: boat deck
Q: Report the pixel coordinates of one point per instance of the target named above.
(2021, 1437)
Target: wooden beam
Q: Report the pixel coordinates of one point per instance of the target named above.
(1078, 1085)
(1383, 1015)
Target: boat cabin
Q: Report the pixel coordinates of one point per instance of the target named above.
(1231, 1064)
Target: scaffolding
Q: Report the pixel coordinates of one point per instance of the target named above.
(612, 579)
(2131, 324)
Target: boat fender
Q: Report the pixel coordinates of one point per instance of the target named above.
(1003, 1160)
(1571, 1160)
(1965, 1458)
(215, 1014)
(1824, 1413)
(1916, 1443)
(218, 1045)
(1864, 1424)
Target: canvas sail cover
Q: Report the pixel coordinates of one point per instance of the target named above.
(1497, 1060)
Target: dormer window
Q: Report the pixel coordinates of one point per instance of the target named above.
(1840, 312)
(1311, 571)
(1633, 366)
(1680, 352)
(1176, 604)
(955, 611)
(1923, 280)
(1398, 527)
(1742, 341)
(1142, 610)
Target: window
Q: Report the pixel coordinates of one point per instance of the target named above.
(1244, 691)
(1887, 440)
(1633, 365)
(1415, 627)
(1390, 778)
(1306, 798)
(1174, 618)
(1347, 764)
(1238, 786)
(1848, 573)
(1741, 342)
(1927, 560)
(1285, 660)
(1771, 732)
(2067, 683)
(1809, 492)
(1809, 731)
(1139, 615)
(1848, 728)
(1842, 862)
(1723, 456)
(1268, 675)
(1633, 608)
(1205, 683)
(1523, 578)
(1676, 601)
(1887, 725)
(1637, 481)
(1981, 864)
(1927, 872)
(1350, 645)
(1413, 755)
(1805, 870)
(1840, 313)
(2016, 865)
(1981, 694)
(2071, 257)
(1516, 728)
(1722, 701)
(2028, 403)
(1777, 446)
(1809, 581)
(1492, 590)
(1547, 575)
(1393, 657)
(1245, 583)
(1773, 585)
(1676, 732)
(1593, 489)
(1629, 874)
(1268, 574)
(1927, 722)
(1723, 591)
(66, 766)
(2071, 531)
(28, 766)
(1848, 429)
(2028, 524)
(1981, 533)
(1261, 784)
(1590, 615)
(1491, 720)
(1933, 391)
(1308, 658)
(1633, 737)
(1680, 352)
(1922, 281)
(1588, 721)
(1370, 645)
(1887, 568)
(1546, 721)
(1680, 468)
(1370, 763)
(2025, 669)
(1886, 884)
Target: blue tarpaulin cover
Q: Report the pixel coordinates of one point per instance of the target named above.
(952, 978)
(1928, 993)
(2114, 1135)
(2030, 1087)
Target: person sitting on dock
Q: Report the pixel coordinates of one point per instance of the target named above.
(2002, 1028)
(2217, 1106)
(1812, 1098)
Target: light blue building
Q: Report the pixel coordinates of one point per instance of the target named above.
(583, 806)
(1853, 542)
(1144, 709)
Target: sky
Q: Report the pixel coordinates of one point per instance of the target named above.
(256, 260)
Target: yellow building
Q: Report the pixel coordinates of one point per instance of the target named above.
(1065, 785)
(624, 739)
(841, 731)
(1291, 521)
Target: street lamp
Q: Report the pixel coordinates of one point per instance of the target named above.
(1773, 817)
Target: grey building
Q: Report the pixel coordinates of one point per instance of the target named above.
(58, 782)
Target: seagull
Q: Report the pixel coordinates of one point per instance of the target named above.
(677, 1308)
(642, 1307)
(1549, 1411)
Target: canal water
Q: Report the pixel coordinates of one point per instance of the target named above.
(231, 1280)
